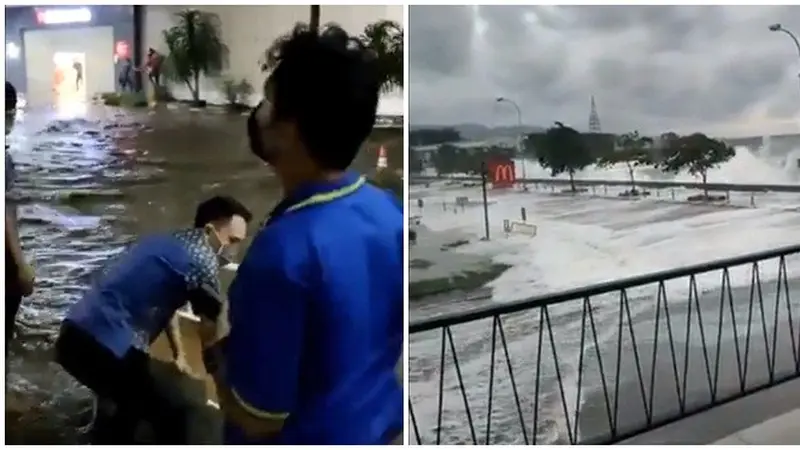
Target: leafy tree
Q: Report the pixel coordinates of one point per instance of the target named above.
(634, 151)
(445, 159)
(562, 149)
(695, 153)
(195, 47)
(385, 38)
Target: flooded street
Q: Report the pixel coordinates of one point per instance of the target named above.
(89, 182)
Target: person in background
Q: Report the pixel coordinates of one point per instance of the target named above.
(19, 274)
(78, 74)
(153, 67)
(104, 339)
(316, 308)
(126, 75)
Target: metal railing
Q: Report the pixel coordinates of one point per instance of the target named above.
(607, 362)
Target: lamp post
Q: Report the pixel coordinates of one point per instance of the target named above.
(519, 139)
(777, 27)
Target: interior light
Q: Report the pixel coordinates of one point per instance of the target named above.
(63, 16)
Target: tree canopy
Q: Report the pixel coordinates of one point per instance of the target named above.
(633, 150)
(384, 38)
(195, 48)
(695, 153)
(562, 150)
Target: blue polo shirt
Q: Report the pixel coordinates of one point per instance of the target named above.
(138, 293)
(316, 318)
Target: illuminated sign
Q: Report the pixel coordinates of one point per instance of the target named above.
(63, 16)
(503, 174)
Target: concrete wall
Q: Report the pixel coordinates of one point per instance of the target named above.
(22, 18)
(249, 30)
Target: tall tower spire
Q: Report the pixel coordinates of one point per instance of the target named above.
(594, 119)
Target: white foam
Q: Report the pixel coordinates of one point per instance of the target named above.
(749, 166)
(581, 241)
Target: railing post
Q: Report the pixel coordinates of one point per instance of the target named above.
(485, 199)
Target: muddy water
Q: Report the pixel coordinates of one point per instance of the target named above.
(90, 181)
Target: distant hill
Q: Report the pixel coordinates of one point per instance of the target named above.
(477, 132)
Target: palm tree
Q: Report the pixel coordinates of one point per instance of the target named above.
(195, 47)
(385, 38)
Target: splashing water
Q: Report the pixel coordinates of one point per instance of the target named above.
(762, 166)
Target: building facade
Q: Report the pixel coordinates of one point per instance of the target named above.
(247, 31)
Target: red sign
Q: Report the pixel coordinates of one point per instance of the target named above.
(121, 49)
(502, 174)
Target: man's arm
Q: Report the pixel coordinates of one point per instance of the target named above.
(13, 245)
(263, 350)
(174, 337)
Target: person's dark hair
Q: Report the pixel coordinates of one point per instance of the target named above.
(327, 84)
(220, 208)
(11, 97)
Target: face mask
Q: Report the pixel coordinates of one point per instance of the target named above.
(261, 143)
(222, 249)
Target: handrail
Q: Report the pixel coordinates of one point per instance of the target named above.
(446, 320)
(614, 363)
(733, 187)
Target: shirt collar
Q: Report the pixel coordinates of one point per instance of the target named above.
(307, 190)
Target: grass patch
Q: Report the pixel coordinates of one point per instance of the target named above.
(465, 281)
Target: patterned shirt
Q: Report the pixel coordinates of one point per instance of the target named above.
(138, 294)
(205, 270)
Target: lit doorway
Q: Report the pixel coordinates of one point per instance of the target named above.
(69, 77)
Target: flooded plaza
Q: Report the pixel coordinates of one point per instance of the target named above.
(91, 179)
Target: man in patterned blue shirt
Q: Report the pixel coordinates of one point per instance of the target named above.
(104, 339)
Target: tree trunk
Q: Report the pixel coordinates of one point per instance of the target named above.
(705, 187)
(572, 181)
(313, 21)
(196, 92)
(633, 181)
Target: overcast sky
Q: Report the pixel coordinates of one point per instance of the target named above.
(716, 69)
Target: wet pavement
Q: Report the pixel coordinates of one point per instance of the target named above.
(90, 179)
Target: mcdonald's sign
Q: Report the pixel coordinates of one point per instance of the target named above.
(502, 174)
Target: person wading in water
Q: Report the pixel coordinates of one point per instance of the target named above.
(104, 340)
(19, 274)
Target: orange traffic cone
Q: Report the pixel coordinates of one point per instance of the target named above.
(383, 161)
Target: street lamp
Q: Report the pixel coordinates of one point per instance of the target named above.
(519, 137)
(779, 28)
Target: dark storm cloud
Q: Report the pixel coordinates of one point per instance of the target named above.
(653, 68)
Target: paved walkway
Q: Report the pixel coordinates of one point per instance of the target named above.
(781, 430)
(768, 417)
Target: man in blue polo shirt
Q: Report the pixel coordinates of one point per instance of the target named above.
(316, 309)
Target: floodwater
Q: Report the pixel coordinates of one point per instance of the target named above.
(584, 240)
(92, 178)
